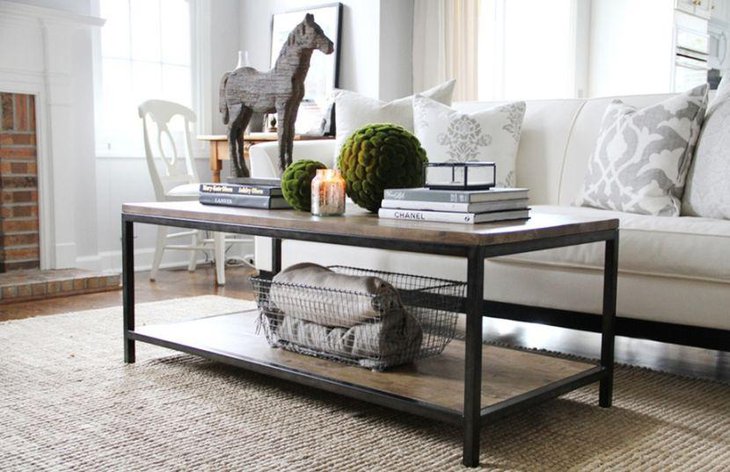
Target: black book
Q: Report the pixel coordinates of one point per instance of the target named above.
(243, 201)
(273, 182)
(241, 189)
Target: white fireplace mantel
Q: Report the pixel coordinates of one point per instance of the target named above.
(48, 53)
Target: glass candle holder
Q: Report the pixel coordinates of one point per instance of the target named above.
(328, 193)
(472, 175)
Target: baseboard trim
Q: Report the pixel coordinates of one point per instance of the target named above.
(112, 260)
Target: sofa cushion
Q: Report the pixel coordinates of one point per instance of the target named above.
(641, 157)
(264, 157)
(708, 192)
(682, 247)
(491, 134)
(353, 110)
(543, 139)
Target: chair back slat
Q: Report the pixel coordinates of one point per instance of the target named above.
(172, 124)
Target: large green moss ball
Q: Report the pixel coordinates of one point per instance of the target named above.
(296, 183)
(380, 156)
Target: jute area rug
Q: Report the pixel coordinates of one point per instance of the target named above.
(67, 401)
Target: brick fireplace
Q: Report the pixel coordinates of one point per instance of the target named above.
(46, 66)
(48, 209)
(19, 227)
(20, 277)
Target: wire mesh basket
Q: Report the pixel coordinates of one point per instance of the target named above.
(411, 318)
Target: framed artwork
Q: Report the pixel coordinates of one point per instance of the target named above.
(323, 75)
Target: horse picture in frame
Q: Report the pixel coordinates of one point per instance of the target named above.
(280, 90)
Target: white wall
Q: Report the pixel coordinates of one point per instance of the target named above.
(81, 7)
(47, 52)
(123, 179)
(225, 37)
(360, 48)
(81, 161)
(396, 49)
(582, 47)
(630, 47)
(375, 56)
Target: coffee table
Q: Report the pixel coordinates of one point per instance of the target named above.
(496, 381)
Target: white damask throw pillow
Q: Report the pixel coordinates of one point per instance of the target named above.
(352, 111)
(487, 135)
(641, 157)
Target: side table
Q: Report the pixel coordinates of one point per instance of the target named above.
(219, 147)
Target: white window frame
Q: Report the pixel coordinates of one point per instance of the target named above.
(201, 64)
(200, 80)
(492, 38)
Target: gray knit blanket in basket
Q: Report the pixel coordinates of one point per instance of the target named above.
(360, 318)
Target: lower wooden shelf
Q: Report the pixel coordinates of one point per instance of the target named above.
(435, 383)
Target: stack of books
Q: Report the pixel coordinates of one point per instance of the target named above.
(455, 206)
(251, 193)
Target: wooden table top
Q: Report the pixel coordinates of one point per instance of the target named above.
(358, 222)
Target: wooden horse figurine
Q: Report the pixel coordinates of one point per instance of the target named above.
(280, 91)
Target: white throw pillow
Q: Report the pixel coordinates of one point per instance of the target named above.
(708, 191)
(487, 135)
(352, 111)
(641, 157)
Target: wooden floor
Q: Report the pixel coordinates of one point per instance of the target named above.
(180, 283)
(169, 284)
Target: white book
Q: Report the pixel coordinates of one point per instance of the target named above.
(465, 207)
(456, 196)
(453, 217)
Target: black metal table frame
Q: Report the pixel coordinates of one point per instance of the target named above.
(473, 415)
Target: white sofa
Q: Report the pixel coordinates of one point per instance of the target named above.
(674, 272)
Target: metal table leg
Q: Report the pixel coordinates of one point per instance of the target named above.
(275, 255)
(610, 281)
(128, 287)
(473, 357)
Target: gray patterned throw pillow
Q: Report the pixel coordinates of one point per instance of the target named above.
(492, 134)
(708, 190)
(642, 156)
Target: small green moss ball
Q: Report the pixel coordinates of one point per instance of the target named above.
(380, 156)
(296, 183)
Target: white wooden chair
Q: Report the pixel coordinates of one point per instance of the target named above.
(175, 178)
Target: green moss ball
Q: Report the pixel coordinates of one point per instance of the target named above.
(296, 183)
(377, 157)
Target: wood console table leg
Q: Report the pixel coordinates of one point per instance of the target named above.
(128, 287)
(473, 357)
(610, 281)
(215, 160)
